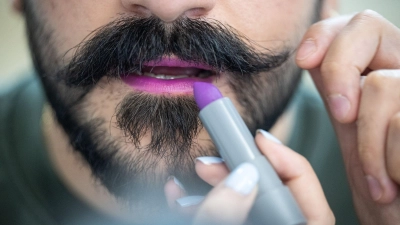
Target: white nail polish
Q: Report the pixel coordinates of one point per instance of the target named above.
(209, 160)
(189, 201)
(243, 179)
(269, 136)
(177, 182)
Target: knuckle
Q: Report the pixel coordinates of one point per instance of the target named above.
(331, 217)
(383, 82)
(393, 169)
(367, 16)
(304, 164)
(377, 81)
(316, 27)
(364, 151)
(319, 28)
(303, 161)
(326, 216)
(368, 157)
(363, 124)
(393, 153)
(395, 175)
(330, 68)
(395, 123)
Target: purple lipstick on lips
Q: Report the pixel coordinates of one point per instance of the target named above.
(169, 75)
(275, 204)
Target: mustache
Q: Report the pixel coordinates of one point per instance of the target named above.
(123, 46)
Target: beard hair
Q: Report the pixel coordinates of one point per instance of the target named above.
(171, 121)
(137, 178)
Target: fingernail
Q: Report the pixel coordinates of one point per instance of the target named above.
(339, 106)
(269, 136)
(374, 188)
(189, 200)
(243, 179)
(177, 182)
(209, 160)
(307, 48)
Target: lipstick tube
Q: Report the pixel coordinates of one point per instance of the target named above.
(275, 205)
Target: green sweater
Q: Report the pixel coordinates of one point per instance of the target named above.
(32, 194)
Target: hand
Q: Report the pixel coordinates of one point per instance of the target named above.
(365, 110)
(229, 203)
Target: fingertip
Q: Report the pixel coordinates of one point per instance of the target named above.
(391, 191)
(243, 179)
(270, 148)
(17, 5)
(173, 190)
(382, 189)
(231, 200)
(211, 169)
(393, 170)
(343, 107)
(286, 162)
(308, 55)
(306, 49)
(268, 136)
(188, 205)
(189, 201)
(339, 106)
(209, 160)
(393, 149)
(388, 190)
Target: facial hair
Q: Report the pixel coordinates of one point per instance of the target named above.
(262, 82)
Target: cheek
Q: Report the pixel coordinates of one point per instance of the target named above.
(268, 22)
(73, 21)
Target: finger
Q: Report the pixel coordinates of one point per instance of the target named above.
(231, 200)
(378, 104)
(365, 43)
(187, 206)
(173, 190)
(211, 169)
(177, 199)
(317, 40)
(393, 149)
(297, 173)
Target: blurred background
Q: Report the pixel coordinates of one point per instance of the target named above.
(15, 58)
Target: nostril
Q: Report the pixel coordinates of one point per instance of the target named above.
(196, 12)
(169, 11)
(139, 10)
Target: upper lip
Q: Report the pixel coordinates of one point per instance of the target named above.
(173, 68)
(174, 62)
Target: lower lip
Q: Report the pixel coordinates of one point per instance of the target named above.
(160, 86)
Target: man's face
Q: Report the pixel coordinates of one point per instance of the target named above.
(119, 73)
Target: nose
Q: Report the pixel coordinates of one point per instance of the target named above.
(169, 10)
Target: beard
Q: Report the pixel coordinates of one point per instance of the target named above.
(133, 171)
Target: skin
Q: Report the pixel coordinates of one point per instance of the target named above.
(368, 134)
(368, 129)
(73, 21)
(222, 202)
(346, 47)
